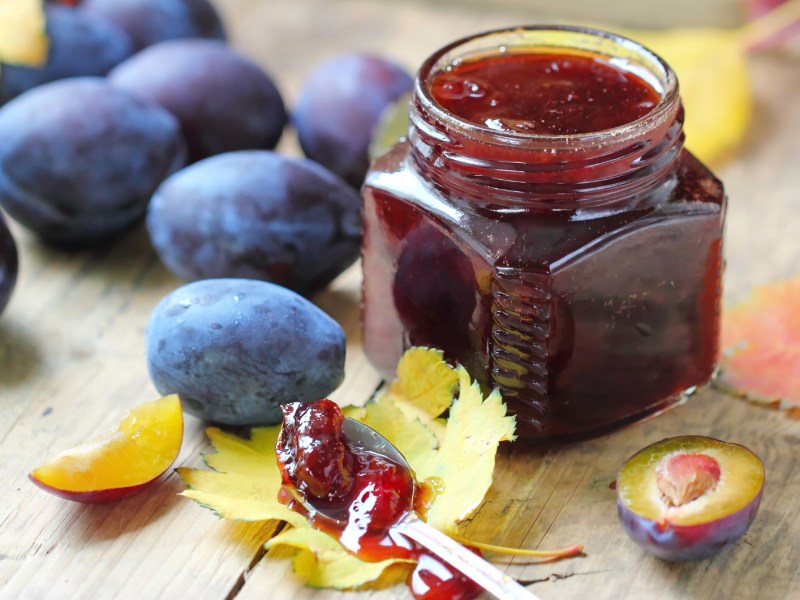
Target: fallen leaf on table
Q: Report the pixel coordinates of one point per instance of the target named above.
(322, 563)
(245, 481)
(465, 460)
(761, 346)
(22, 32)
(460, 452)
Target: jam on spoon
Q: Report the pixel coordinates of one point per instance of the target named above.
(350, 482)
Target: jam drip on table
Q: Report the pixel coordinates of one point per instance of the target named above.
(356, 495)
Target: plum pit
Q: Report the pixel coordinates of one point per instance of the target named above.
(682, 478)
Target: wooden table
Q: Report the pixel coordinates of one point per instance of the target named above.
(72, 363)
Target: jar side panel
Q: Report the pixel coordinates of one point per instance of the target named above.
(636, 323)
(422, 286)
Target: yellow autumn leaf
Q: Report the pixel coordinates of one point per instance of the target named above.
(712, 71)
(322, 563)
(425, 381)
(245, 482)
(465, 460)
(460, 452)
(237, 497)
(22, 32)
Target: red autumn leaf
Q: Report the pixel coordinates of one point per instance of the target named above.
(761, 346)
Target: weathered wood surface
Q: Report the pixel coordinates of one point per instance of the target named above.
(72, 363)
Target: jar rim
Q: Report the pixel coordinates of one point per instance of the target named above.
(664, 110)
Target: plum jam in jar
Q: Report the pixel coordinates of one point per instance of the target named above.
(545, 227)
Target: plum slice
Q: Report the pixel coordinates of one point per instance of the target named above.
(688, 497)
(121, 462)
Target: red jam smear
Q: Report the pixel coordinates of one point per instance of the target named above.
(586, 316)
(542, 93)
(357, 496)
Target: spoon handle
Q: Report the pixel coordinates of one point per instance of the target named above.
(486, 575)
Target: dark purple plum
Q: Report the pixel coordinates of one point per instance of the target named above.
(259, 215)
(8, 264)
(79, 159)
(689, 497)
(235, 350)
(223, 101)
(148, 22)
(339, 107)
(81, 44)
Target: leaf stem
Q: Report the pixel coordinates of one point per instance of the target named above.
(755, 33)
(562, 553)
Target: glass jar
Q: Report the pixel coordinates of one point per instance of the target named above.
(579, 273)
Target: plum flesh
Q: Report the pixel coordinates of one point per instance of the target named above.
(689, 497)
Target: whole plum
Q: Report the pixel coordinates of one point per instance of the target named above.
(235, 350)
(223, 101)
(339, 107)
(80, 159)
(151, 21)
(80, 44)
(8, 264)
(259, 215)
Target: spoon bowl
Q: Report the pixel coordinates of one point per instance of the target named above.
(412, 527)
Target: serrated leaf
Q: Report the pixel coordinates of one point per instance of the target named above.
(22, 32)
(322, 562)
(761, 346)
(425, 381)
(465, 461)
(238, 497)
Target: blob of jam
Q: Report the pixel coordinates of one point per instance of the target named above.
(357, 496)
(544, 226)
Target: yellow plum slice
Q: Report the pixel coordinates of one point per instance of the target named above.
(121, 462)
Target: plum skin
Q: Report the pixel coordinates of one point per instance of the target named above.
(688, 542)
(340, 105)
(80, 44)
(95, 496)
(235, 350)
(9, 263)
(223, 101)
(81, 159)
(259, 215)
(148, 22)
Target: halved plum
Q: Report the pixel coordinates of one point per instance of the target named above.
(121, 462)
(688, 497)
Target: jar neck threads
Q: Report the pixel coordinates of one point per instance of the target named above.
(556, 171)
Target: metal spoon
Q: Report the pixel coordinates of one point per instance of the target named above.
(410, 525)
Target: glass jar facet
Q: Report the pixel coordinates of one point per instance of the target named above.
(580, 274)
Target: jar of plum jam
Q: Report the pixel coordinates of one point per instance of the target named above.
(545, 227)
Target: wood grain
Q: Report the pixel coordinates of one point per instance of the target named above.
(72, 363)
